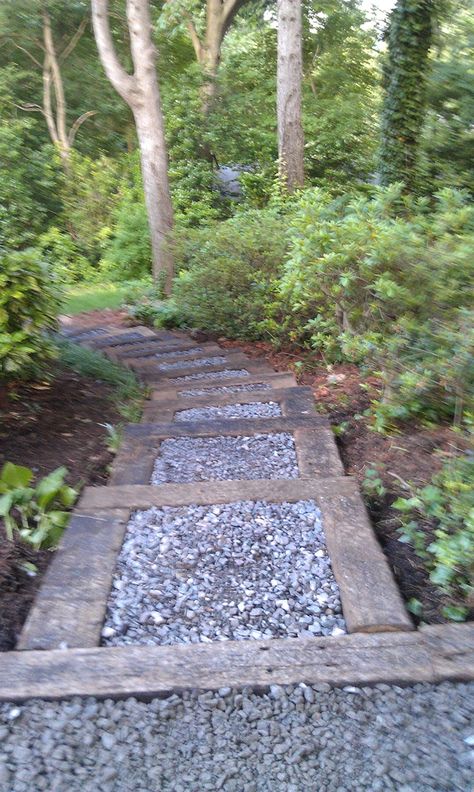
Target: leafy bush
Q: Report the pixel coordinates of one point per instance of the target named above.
(229, 273)
(438, 520)
(386, 281)
(64, 258)
(37, 514)
(29, 303)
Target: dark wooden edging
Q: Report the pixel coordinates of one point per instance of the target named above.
(370, 597)
(433, 654)
(69, 609)
(293, 402)
(150, 373)
(316, 450)
(273, 380)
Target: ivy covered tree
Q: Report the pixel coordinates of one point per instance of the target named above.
(409, 39)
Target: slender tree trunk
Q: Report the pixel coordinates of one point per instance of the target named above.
(142, 94)
(289, 77)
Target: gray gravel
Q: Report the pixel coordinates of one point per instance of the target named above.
(236, 571)
(181, 353)
(210, 375)
(257, 386)
(254, 410)
(260, 456)
(289, 739)
(216, 360)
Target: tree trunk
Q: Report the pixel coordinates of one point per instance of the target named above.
(142, 94)
(289, 77)
(219, 16)
(409, 39)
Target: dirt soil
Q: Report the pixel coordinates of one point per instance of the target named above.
(44, 425)
(410, 457)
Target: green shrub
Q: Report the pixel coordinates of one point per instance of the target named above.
(438, 520)
(229, 273)
(29, 303)
(386, 281)
(36, 514)
(64, 258)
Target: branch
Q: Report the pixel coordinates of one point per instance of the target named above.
(31, 57)
(77, 123)
(229, 10)
(124, 83)
(48, 109)
(74, 40)
(196, 41)
(55, 71)
(30, 108)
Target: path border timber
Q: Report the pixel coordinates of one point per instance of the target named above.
(59, 653)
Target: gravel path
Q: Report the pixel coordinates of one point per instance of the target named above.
(255, 410)
(237, 571)
(216, 360)
(180, 353)
(210, 375)
(257, 386)
(186, 459)
(289, 739)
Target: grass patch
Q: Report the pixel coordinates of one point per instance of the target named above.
(96, 297)
(127, 394)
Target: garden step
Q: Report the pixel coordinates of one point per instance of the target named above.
(431, 655)
(70, 607)
(292, 401)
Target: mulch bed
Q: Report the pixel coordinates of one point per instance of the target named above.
(412, 456)
(42, 426)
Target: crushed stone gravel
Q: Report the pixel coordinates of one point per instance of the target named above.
(294, 738)
(180, 353)
(254, 410)
(216, 360)
(257, 386)
(236, 571)
(186, 459)
(211, 375)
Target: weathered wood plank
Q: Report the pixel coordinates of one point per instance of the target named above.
(69, 608)
(148, 671)
(274, 380)
(370, 597)
(146, 360)
(293, 402)
(451, 647)
(317, 452)
(134, 463)
(234, 361)
(232, 427)
(209, 492)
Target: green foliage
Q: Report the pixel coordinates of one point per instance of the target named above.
(448, 141)
(63, 257)
(409, 40)
(341, 95)
(438, 520)
(384, 281)
(147, 306)
(29, 303)
(36, 514)
(127, 393)
(228, 272)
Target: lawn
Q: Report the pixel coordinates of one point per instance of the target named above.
(95, 297)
